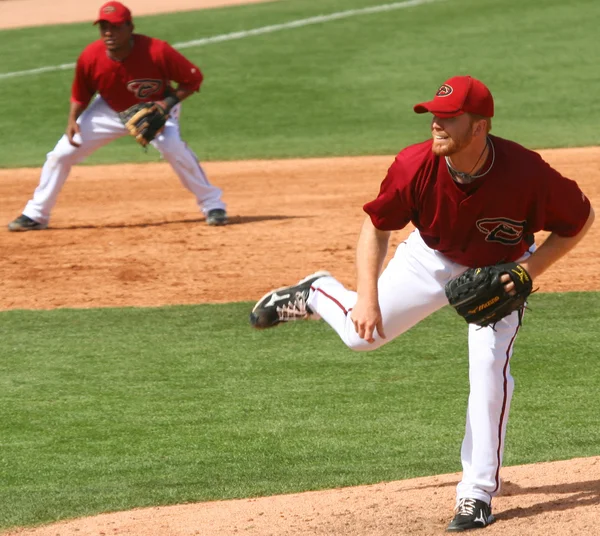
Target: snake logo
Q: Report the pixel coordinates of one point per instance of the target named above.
(504, 230)
(444, 91)
(144, 87)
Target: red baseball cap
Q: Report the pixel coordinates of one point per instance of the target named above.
(115, 13)
(458, 95)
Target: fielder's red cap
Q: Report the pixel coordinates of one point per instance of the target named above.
(115, 13)
(458, 95)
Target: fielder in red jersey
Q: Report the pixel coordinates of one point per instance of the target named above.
(475, 200)
(144, 75)
(113, 73)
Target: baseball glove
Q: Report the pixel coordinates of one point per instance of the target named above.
(479, 297)
(145, 121)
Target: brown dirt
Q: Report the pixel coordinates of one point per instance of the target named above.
(131, 235)
(22, 13)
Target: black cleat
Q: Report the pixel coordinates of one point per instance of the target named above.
(284, 304)
(471, 514)
(25, 223)
(217, 216)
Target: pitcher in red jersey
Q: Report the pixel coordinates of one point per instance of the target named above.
(113, 73)
(475, 200)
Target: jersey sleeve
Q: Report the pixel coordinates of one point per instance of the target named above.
(565, 208)
(181, 70)
(392, 209)
(82, 89)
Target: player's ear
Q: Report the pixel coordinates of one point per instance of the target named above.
(480, 128)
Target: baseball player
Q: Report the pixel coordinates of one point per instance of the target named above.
(121, 69)
(475, 200)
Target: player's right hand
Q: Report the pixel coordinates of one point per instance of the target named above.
(72, 129)
(366, 317)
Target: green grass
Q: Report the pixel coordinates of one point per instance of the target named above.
(115, 408)
(339, 88)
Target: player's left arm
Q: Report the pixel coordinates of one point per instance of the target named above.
(553, 248)
(179, 69)
(560, 208)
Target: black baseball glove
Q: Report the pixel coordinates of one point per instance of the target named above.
(144, 121)
(479, 296)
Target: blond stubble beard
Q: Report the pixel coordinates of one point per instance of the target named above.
(453, 146)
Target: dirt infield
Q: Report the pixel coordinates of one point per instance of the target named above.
(121, 239)
(132, 235)
(24, 13)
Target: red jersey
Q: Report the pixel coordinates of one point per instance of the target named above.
(142, 76)
(488, 221)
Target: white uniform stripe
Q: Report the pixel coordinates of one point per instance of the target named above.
(249, 33)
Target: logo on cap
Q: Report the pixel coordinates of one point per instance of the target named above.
(444, 91)
(109, 9)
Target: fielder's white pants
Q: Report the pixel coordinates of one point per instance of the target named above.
(100, 124)
(410, 289)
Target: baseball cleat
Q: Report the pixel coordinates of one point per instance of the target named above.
(284, 304)
(217, 216)
(25, 223)
(471, 514)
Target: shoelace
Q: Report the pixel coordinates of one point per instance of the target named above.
(294, 309)
(465, 507)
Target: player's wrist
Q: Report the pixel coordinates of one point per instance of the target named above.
(532, 268)
(169, 102)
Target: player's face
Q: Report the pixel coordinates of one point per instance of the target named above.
(451, 134)
(115, 36)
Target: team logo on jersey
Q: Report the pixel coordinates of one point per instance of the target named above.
(444, 91)
(503, 230)
(145, 87)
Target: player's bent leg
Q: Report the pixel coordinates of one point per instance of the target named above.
(98, 125)
(54, 173)
(187, 167)
(491, 390)
(406, 297)
(408, 292)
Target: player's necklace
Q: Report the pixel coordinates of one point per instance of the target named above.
(466, 178)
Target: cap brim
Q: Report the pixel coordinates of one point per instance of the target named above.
(115, 22)
(429, 106)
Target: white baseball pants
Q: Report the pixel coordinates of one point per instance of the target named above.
(100, 124)
(410, 289)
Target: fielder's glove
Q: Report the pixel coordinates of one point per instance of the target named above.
(146, 120)
(479, 296)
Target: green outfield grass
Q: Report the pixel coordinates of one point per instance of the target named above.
(344, 87)
(110, 409)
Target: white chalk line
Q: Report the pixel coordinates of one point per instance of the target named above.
(250, 33)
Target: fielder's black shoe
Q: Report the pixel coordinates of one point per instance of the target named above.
(25, 223)
(284, 304)
(217, 216)
(471, 514)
